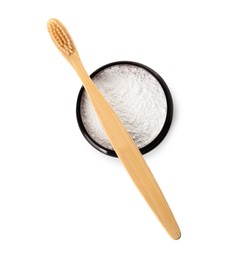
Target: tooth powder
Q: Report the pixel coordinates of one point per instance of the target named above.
(135, 95)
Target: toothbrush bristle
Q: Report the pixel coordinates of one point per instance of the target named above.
(61, 37)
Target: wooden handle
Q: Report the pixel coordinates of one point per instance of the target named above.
(128, 153)
(120, 139)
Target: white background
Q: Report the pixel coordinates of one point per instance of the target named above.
(62, 199)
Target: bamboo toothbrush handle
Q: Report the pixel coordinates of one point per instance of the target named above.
(120, 139)
(128, 153)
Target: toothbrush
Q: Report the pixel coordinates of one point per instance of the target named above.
(120, 139)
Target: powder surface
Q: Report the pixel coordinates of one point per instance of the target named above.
(137, 98)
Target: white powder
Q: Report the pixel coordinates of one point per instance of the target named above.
(137, 98)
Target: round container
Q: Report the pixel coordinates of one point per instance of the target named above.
(140, 82)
